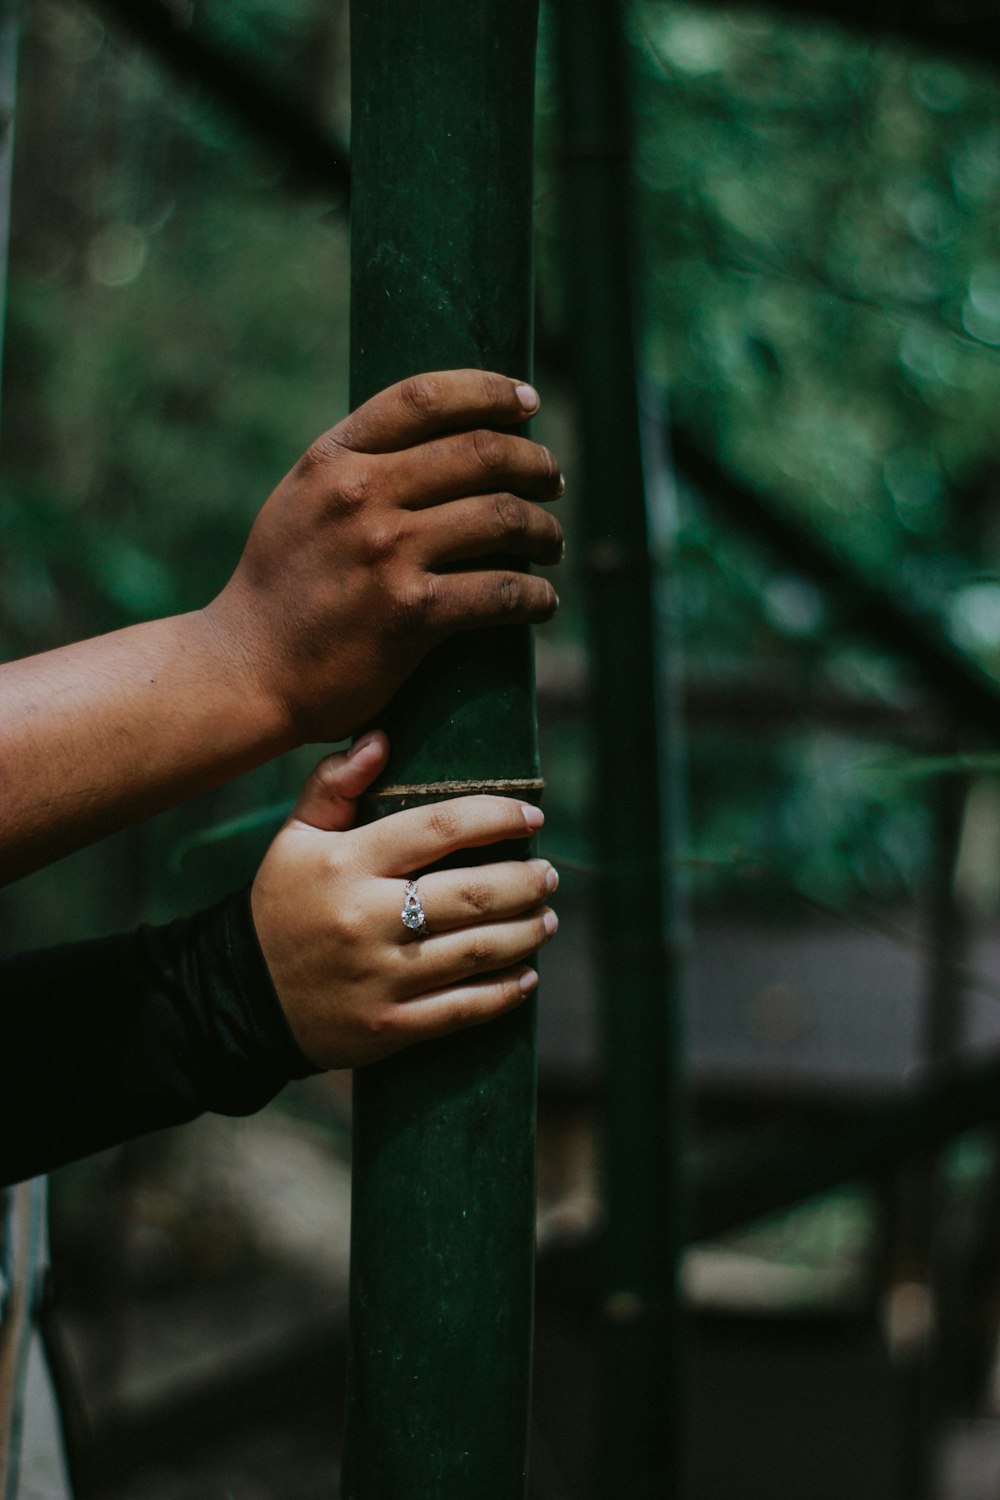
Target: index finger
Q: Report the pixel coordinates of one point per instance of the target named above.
(425, 406)
(407, 841)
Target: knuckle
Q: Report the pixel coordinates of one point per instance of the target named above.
(381, 542)
(321, 451)
(444, 822)
(511, 518)
(486, 449)
(352, 493)
(421, 396)
(481, 954)
(351, 924)
(378, 1022)
(415, 602)
(510, 592)
(312, 459)
(497, 394)
(325, 776)
(476, 897)
(350, 931)
(337, 868)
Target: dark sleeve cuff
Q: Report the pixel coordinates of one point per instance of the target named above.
(233, 1048)
(268, 1041)
(109, 1039)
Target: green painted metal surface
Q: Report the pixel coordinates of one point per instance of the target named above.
(443, 1198)
(638, 1428)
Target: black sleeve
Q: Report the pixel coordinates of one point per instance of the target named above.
(109, 1039)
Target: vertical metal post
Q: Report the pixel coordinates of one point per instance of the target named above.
(8, 92)
(638, 1434)
(443, 1198)
(22, 1209)
(919, 1187)
(941, 1021)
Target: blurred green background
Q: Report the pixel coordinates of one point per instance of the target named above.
(821, 268)
(820, 258)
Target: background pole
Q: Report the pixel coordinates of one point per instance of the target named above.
(443, 1198)
(634, 916)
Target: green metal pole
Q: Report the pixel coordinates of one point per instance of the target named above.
(638, 1399)
(443, 1197)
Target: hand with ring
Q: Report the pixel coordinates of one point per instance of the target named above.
(356, 978)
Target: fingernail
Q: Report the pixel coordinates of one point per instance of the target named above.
(562, 485)
(552, 879)
(551, 923)
(360, 744)
(533, 816)
(528, 397)
(528, 981)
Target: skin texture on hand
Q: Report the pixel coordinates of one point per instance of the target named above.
(354, 568)
(355, 985)
(372, 549)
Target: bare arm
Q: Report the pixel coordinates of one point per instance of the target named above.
(101, 1041)
(108, 731)
(369, 552)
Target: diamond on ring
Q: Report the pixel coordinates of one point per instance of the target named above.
(413, 912)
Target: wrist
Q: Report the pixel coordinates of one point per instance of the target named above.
(235, 652)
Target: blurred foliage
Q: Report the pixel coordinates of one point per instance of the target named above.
(176, 336)
(821, 258)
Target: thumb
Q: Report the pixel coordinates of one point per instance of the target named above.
(328, 797)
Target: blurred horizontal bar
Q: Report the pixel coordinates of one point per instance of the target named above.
(737, 1182)
(265, 108)
(866, 606)
(772, 706)
(965, 28)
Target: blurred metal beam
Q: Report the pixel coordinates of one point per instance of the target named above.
(866, 606)
(968, 30)
(638, 1429)
(735, 1183)
(263, 106)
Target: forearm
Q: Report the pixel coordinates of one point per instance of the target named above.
(99, 734)
(382, 540)
(105, 1040)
